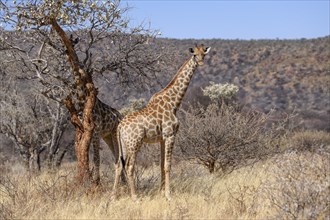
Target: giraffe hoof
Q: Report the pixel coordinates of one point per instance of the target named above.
(134, 197)
(113, 197)
(168, 198)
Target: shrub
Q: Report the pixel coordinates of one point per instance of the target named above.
(221, 93)
(300, 185)
(222, 138)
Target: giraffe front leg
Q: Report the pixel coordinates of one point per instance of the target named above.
(169, 143)
(162, 161)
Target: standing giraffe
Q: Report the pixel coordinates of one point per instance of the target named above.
(157, 122)
(106, 120)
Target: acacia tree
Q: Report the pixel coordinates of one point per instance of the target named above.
(76, 31)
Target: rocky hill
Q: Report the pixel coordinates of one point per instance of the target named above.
(285, 75)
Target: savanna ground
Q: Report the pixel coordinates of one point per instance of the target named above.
(292, 184)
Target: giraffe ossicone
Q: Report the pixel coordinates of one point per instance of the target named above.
(156, 123)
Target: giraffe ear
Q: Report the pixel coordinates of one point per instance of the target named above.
(207, 49)
(191, 50)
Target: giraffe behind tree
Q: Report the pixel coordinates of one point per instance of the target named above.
(156, 123)
(106, 120)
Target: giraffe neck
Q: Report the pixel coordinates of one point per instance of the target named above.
(176, 89)
(81, 94)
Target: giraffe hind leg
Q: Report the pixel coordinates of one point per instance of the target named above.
(111, 141)
(130, 164)
(118, 171)
(96, 159)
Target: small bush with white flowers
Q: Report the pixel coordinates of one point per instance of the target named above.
(221, 93)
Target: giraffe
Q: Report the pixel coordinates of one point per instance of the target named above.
(156, 123)
(106, 120)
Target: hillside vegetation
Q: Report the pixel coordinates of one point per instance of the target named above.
(286, 75)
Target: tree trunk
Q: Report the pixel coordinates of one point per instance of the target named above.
(54, 145)
(54, 139)
(84, 136)
(84, 133)
(85, 125)
(59, 158)
(211, 166)
(34, 161)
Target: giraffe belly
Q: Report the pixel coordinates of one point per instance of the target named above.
(153, 134)
(152, 137)
(152, 140)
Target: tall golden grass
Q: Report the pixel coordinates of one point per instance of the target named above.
(250, 192)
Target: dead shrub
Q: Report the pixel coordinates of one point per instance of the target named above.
(299, 188)
(223, 138)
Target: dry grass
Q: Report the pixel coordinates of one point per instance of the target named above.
(248, 192)
(308, 140)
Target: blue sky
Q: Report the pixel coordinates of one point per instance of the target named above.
(283, 19)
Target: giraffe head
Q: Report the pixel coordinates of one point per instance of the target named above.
(199, 53)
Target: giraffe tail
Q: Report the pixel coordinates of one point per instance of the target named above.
(121, 158)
